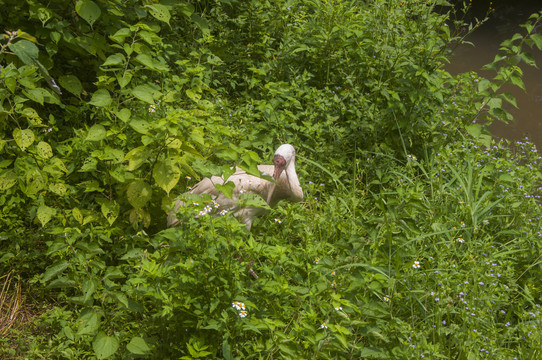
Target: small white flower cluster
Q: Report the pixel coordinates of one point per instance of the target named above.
(152, 108)
(239, 306)
(412, 157)
(208, 208)
(205, 210)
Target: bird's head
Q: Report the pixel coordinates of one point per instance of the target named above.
(283, 156)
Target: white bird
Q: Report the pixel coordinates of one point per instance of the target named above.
(285, 187)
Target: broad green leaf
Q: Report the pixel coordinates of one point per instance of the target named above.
(26, 51)
(88, 10)
(54, 270)
(510, 98)
(226, 189)
(160, 12)
(89, 288)
(136, 157)
(78, 215)
(151, 63)
(115, 155)
(62, 283)
(38, 95)
(166, 174)
(193, 95)
(89, 322)
(44, 150)
(7, 179)
(23, 138)
(516, 80)
(104, 346)
(144, 93)
(139, 193)
(201, 23)
(44, 214)
(226, 349)
(537, 38)
(124, 79)
(474, 129)
(101, 98)
(138, 346)
(36, 181)
(124, 115)
(140, 125)
(96, 133)
(121, 35)
(506, 177)
(59, 189)
(71, 83)
(110, 209)
(115, 59)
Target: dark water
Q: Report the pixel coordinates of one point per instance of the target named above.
(503, 23)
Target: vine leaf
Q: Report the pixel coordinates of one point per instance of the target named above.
(88, 10)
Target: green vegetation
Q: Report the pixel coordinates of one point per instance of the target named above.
(419, 237)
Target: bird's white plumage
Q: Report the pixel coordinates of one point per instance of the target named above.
(286, 187)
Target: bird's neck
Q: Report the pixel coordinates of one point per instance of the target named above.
(293, 182)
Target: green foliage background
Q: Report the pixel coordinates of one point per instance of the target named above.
(110, 109)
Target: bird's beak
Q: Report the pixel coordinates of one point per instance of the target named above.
(276, 173)
(279, 168)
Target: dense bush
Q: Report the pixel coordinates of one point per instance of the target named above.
(419, 234)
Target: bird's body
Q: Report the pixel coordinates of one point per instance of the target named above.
(286, 187)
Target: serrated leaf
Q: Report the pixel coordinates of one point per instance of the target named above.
(166, 174)
(88, 10)
(100, 98)
(159, 12)
(23, 138)
(44, 214)
(97, 132)
(104, 346)
(44, 150)
(139, 193)
(54, 270)
(71, 83)
(138, 346)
